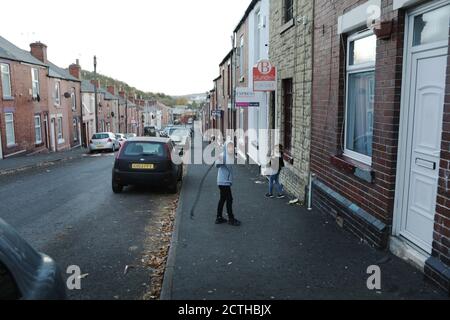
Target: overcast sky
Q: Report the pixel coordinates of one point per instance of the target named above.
(155, 45)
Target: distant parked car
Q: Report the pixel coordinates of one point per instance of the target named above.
(103, 141)
(181, 136)
(130, 136)
(150, 132)
(146, 161)
(121, 138)
(24, 273)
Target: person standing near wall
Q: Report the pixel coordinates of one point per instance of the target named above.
(225, 181)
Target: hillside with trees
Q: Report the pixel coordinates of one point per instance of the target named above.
(108, 81)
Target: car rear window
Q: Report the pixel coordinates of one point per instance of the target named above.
(144, 149)
(100, 136)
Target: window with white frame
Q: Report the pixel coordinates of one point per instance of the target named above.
(361, 59)
(10, 135)
(37, 129)
(57, 93)
(6, 80)
(241, 57)
(73, 99)
(75, 130)
(258, 28)
(60, 129)
(35, 82)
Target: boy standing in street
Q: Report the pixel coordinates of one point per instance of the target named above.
(277, 163)
(225, 181)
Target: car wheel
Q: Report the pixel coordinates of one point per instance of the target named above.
(117, 188)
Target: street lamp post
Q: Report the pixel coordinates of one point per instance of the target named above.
(95, 93)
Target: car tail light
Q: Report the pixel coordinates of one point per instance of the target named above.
(109, 140)
(169, 154)
(120, 150)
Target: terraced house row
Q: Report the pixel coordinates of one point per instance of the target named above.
(362, 105)
(45, 108)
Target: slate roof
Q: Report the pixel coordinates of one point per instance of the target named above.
(11, 52)
(60, 73)
(87, 87)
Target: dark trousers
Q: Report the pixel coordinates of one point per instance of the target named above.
(225, 197)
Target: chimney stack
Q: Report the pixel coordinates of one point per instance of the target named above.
(39, 51)
(75, 69)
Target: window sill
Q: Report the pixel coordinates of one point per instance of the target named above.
(285, 27)
(12, 146)
(61, 141)
(353, 167)
(8, 98)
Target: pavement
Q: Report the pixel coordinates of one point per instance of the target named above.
(280, 251)
(69, 212)
(21, 163)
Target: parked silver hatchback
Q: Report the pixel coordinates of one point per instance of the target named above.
(103, 141)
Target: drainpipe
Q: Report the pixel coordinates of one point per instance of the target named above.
(312, 176)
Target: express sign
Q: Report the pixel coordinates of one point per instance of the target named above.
(264, 77)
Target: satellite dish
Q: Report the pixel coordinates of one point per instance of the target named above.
(67, 95)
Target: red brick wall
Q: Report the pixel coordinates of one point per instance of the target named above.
(24, 108)
(376, 198)
(441, 246)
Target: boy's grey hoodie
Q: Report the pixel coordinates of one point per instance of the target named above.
(225, 172)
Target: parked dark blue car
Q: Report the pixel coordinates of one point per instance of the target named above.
(24, 273)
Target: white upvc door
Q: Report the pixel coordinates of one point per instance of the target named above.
(1, 150)
(421, 125)
(52, 135)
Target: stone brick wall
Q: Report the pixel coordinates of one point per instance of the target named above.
(291, 53)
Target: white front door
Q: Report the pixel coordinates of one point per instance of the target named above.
(424, 100)
(1, 151)
(52, 135)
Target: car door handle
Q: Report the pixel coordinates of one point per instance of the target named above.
(426, 164)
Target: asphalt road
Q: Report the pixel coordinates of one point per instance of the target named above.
(69, 212)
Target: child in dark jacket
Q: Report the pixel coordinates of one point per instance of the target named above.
(276, 162)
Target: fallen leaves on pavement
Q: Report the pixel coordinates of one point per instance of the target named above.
(157, 259)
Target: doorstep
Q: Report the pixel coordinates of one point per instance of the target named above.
(408, 252)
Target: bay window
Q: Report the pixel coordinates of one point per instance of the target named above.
(361, 56)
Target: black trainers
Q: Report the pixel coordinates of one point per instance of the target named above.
(221, 220)
(281, 196)
(269, 196)
(234, 223)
